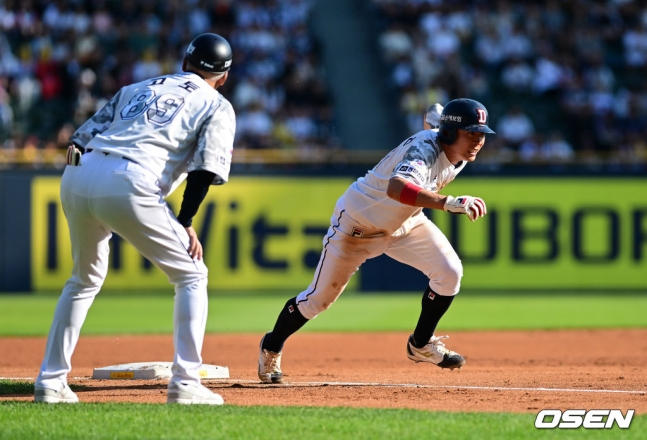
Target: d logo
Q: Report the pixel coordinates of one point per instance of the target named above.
(482, 115)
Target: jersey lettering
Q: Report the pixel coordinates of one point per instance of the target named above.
(137, 104)
(157, 82)
(164, 108)
(189, 86)
(159, 110)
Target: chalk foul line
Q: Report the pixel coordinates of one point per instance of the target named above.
(453, 387)
(394, 385)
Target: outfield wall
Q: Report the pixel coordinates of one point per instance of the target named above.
(266, 232)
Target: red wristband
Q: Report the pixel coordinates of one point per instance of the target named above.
(409, 194)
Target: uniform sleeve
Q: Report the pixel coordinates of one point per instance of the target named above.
(197, 186)
(416, 163)
(216, 143)
(97, 124)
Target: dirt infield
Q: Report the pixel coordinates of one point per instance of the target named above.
(505, 371)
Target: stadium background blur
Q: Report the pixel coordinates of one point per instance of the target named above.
(322, 89)
(563, 80)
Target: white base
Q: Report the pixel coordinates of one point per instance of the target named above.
(154, 370)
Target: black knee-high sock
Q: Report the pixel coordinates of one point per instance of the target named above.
(289, 321)
(434, 307)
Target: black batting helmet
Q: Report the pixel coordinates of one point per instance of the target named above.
(209, 52)
(465, 114)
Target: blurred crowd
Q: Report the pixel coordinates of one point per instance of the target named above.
(562, 79)
(60, 60)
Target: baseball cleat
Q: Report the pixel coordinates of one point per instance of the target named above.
(186, 394)
(269, 365)
(435, 353)
(47, 395)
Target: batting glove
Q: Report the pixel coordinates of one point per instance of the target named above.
(473, 207)
(432, 115)
(73, 156)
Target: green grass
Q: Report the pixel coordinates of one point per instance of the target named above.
(22, 387)
(31, 315)
(26, 420)
(142, 312)
(16, 387)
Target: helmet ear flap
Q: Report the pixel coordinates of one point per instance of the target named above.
(447, 134)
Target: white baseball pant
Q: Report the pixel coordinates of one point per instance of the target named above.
(108, 193)
(418, 243)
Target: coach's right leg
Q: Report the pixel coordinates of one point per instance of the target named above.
(189, 325)
(90, 250)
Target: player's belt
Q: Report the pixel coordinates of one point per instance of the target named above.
(105, 153)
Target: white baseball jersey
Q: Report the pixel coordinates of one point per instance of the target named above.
(420, 160)
(367, 223)
(169, 125)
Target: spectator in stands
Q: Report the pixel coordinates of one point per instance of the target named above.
(6, 112)
(556, 149)
(515, 126)
(395, 42)
(254, 127)
(517, 76)
(530, 148)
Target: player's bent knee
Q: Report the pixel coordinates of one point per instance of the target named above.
(448, 281)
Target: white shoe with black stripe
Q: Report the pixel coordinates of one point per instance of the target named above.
(435, 353)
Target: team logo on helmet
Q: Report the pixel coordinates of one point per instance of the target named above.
(482, 115)
(190, 49)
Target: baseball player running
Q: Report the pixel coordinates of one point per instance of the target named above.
(381, 213)
(123, 162)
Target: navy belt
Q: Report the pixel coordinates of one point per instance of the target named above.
(105, 153)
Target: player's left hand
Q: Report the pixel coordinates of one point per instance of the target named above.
(432, 116)
(195, 247)
(473, 207)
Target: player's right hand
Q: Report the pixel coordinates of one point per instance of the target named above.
(473, 207)
(195, 247)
